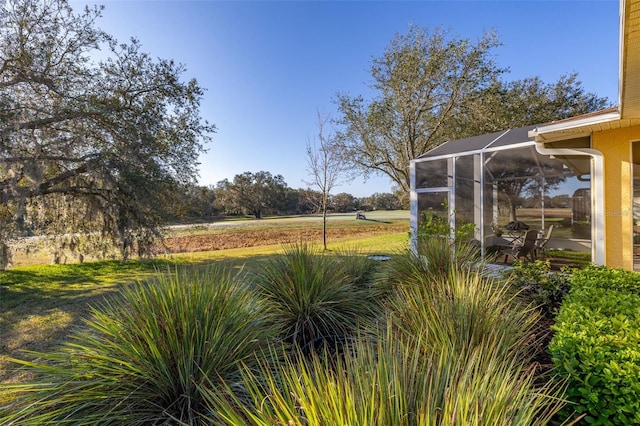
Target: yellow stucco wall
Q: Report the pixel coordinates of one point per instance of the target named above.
(615, 145)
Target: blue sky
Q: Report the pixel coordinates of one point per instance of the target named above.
(268, 66)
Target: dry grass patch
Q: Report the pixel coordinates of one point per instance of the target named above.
(241, 238)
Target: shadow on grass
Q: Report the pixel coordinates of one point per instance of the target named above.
(40, 305)
(375, 220)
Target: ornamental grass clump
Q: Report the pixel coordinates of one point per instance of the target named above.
(373, 385)
(313, 298)
(443, 294)
(362, 269)
(368, 274)
(451, 350)
(435, 257)
(388, 381)
(465, 310)
(147, 356)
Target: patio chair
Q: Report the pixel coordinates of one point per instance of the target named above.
(541, 244)
(526, 249)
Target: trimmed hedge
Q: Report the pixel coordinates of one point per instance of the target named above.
(596, 346)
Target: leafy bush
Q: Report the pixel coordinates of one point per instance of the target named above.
(607, 278)
(596, 346)
(145, 358)
(435, 225)
(312, 297)
(538, 284)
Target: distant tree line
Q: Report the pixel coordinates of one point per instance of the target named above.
(263, 194)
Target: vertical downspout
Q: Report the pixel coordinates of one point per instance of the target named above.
(542, 194)
(597, 195)
(451, 173)
(478, 202)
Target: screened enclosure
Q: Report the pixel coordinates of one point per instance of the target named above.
(502, 185)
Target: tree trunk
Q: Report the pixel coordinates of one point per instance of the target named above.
(512, 211)
(324, 219)
(5, 256)
(324, 228)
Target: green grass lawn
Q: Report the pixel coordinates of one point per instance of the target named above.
(390, 217)
(40, 304)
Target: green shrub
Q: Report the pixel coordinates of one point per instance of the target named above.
(607, 278)
(538, 284)
(435, 224)
(313, 297)
(146, 357)
(596, 346)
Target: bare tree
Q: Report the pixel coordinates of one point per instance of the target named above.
(326, 166)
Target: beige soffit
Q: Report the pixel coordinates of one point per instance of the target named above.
(583, 125)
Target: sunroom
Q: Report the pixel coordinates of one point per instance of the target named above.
(502, 184)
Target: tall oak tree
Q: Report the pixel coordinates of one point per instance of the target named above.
(95, 135)
(432, 87)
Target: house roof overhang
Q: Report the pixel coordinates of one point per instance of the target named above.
(584, 125)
